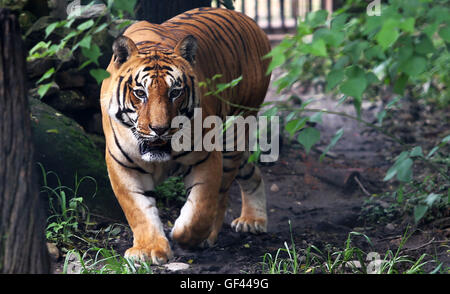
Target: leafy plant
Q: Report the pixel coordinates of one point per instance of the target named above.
(172, 191)
(79, 38)
(102, 261)
(350, 259)
(67, 210)
(400, 52)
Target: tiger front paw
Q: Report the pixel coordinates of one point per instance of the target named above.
(250, 224)
(156, 252)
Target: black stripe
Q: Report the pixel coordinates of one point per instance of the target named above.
(231, 156)
(150, 193)
(222, 28)
(247, 176)
(181, 154)
(228, 169)
(118, 144)
(187, 172)
(203, 160)
(188, 190)
(137, 168)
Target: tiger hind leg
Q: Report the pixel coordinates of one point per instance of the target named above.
(253, 217)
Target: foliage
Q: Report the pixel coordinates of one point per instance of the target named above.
(171, 191)
(79, 38)
(350, 259)
(67, 211)
(404, 51)
(105, 261)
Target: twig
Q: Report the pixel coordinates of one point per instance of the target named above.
(361, 186)
(424, 245)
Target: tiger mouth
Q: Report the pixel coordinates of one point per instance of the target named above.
(155, 146)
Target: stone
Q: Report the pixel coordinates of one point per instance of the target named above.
(176, 266)
(63, 147)
(53, 251)
(274, 188)
(70, 79)
(69, 101)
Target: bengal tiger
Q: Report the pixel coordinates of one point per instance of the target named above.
(155, 72)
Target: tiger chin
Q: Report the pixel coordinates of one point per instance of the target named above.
(155, 72)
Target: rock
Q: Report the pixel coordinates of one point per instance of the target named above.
(94, 124)
(37, 67)
(274, 188)
(69, 101)
(64, 148)
(176, 266)
(53, 251)
(390, 227)
(70, 79)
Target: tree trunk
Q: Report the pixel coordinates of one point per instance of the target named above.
(157, 11)
(22, 216)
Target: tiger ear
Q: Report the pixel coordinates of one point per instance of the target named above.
(123, 48)
(187, 48)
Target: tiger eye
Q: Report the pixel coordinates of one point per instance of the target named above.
(139, 94)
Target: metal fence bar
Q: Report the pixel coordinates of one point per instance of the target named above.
(280, 16)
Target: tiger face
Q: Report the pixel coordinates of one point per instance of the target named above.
(153, 87)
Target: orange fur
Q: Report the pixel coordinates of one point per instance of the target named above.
(155, 72)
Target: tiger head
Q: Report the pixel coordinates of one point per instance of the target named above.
(151, 88)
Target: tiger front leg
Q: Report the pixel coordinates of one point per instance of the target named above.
(198, 215)
(130, 187)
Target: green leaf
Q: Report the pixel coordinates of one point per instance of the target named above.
(446, 139)
(85, 25)
(99, 74)
(444, 33)
(424, 45)
(86, 42)
(404, 170)
(294, 125)
(42, 90)
(419, 212)
(308, 137)
(334, 77)
(46, 75)
(316, 117)
(432, 151)
(333, 142)
(318, 48)
(416, 152)
(400, 83)
(414, 66)
(431, 198)
(394, 169)
(339, 21)
(355, 87)
(277, 60)
(126, 5)
(388, 34)
(408, 25)
(92, 53)
(316, 18)
(51, 27)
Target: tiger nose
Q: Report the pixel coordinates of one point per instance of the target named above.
(159, 130)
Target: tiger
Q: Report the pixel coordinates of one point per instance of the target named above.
(155, 72)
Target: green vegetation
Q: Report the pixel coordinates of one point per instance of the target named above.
(79, 38)
(350, 259)
(402, 54)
